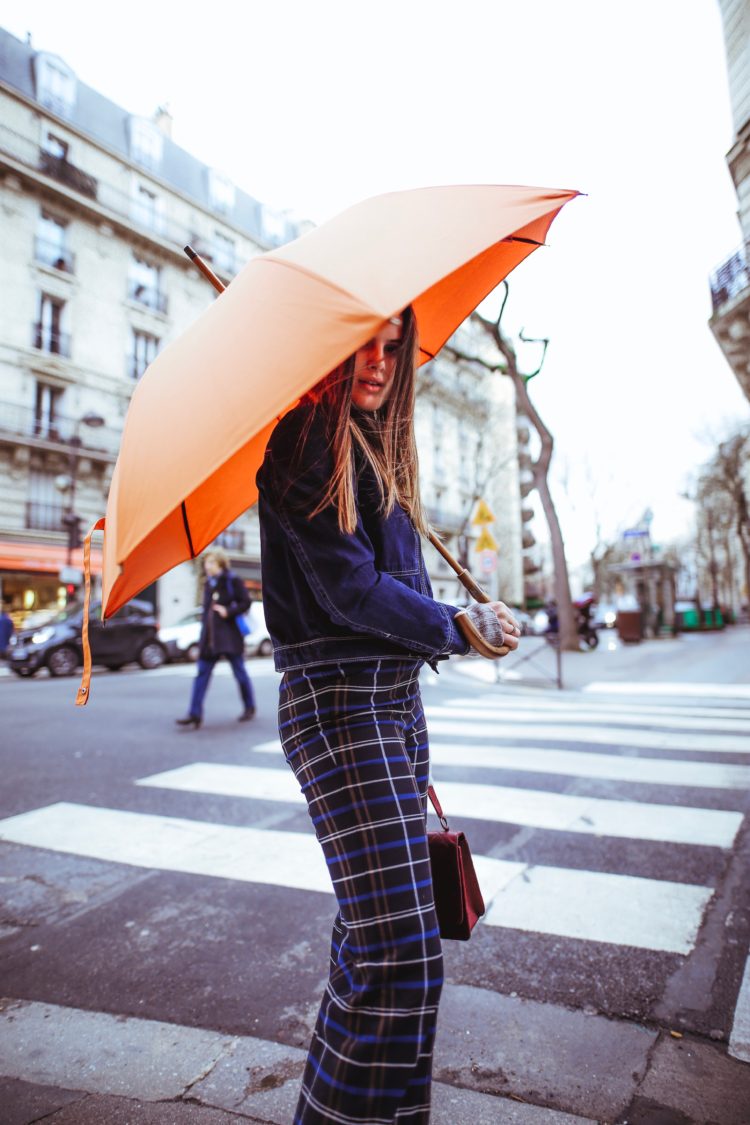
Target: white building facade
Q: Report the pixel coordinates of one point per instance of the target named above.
(96, 206)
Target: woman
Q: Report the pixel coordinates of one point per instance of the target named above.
(349, 608)
(224, 600)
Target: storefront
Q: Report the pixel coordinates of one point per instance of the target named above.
(34, 578)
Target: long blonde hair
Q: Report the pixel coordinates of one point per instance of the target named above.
(384, 438)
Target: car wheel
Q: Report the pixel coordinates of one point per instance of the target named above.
(152, 655)
(62, 661)
(193, 653)
(265, 648)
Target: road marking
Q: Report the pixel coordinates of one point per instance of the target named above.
(565, 703)
(590, 906)
(571, 763)
(619, 909)
(602, 736)
(739, 1039)
(482, 709)
(704, 690)
(530, 807)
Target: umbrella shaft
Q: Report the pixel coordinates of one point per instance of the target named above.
(462, 574)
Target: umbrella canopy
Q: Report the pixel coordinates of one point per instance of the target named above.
(201, 416)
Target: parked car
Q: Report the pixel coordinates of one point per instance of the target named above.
(129, 635)
(257, 641)
(181, 640)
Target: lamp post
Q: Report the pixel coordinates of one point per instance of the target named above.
(66, 483)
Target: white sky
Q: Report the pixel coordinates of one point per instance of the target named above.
(313, 106)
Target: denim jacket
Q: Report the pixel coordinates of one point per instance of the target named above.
(330, 596)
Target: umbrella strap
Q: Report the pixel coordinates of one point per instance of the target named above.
(82, 696)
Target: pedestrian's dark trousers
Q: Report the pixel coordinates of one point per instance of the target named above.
(355, 736)
(203, 677)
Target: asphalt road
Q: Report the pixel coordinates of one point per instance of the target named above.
(612, 836)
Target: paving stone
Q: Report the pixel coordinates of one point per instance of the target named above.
(23, 1102)
(700, 1081)
(547, 1055)
(103, 1054)
(97, 1109)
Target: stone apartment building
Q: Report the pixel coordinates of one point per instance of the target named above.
(730, 283)
(96, 205)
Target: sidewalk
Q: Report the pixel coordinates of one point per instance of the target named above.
(721, 658)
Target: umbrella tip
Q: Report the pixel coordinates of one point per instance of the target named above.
(190, 253)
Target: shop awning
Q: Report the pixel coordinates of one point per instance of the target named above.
(44, 558)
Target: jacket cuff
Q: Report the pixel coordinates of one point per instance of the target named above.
(457, 644)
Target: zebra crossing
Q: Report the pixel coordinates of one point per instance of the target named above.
(598, 823)
(500, 735)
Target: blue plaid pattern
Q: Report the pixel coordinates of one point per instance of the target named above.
(355, 737)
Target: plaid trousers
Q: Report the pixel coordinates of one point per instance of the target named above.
(355, 737)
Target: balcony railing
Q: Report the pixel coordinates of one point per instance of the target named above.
(66, 173)
(50, 340)
(148, 296)
(44, 517)
(18, 422)
(730, 279)
(52, 254)
(119, 203)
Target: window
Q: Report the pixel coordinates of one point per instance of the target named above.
(220, 191)
(48, 330)
(145, 285)
(223, 253)
(146, 142)
(50, 245)
(55, 146)
(147, 208)
(47, 411)
(45, 505)
(55, 84)
(145, 347)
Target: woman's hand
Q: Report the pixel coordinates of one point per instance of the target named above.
(511, 628)
(495, 622)
(220, 609)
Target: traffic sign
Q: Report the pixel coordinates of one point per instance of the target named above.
(485, 542)
(488, 562)
(483, 514)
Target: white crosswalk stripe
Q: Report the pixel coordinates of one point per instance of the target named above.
(637, 821)
(572, 763)
(653, 718)
(645, 913)
(686, 743)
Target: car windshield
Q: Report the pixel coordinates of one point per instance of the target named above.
(71, 610)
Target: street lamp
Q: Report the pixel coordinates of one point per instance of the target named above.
(66, 482)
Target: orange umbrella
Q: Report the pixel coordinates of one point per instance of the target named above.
(200, 417)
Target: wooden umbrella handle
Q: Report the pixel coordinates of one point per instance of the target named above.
(465, 625)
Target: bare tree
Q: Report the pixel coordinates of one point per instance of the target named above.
(723, 496)
(540, 466)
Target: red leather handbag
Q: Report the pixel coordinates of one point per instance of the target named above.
(458, 899)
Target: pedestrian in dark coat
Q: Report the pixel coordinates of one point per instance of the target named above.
(224, 600)
(351, 615)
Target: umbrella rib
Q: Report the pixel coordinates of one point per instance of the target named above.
(187, 529)
(528, 241)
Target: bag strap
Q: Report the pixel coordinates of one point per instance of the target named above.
(437, 807)
(82, 696)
